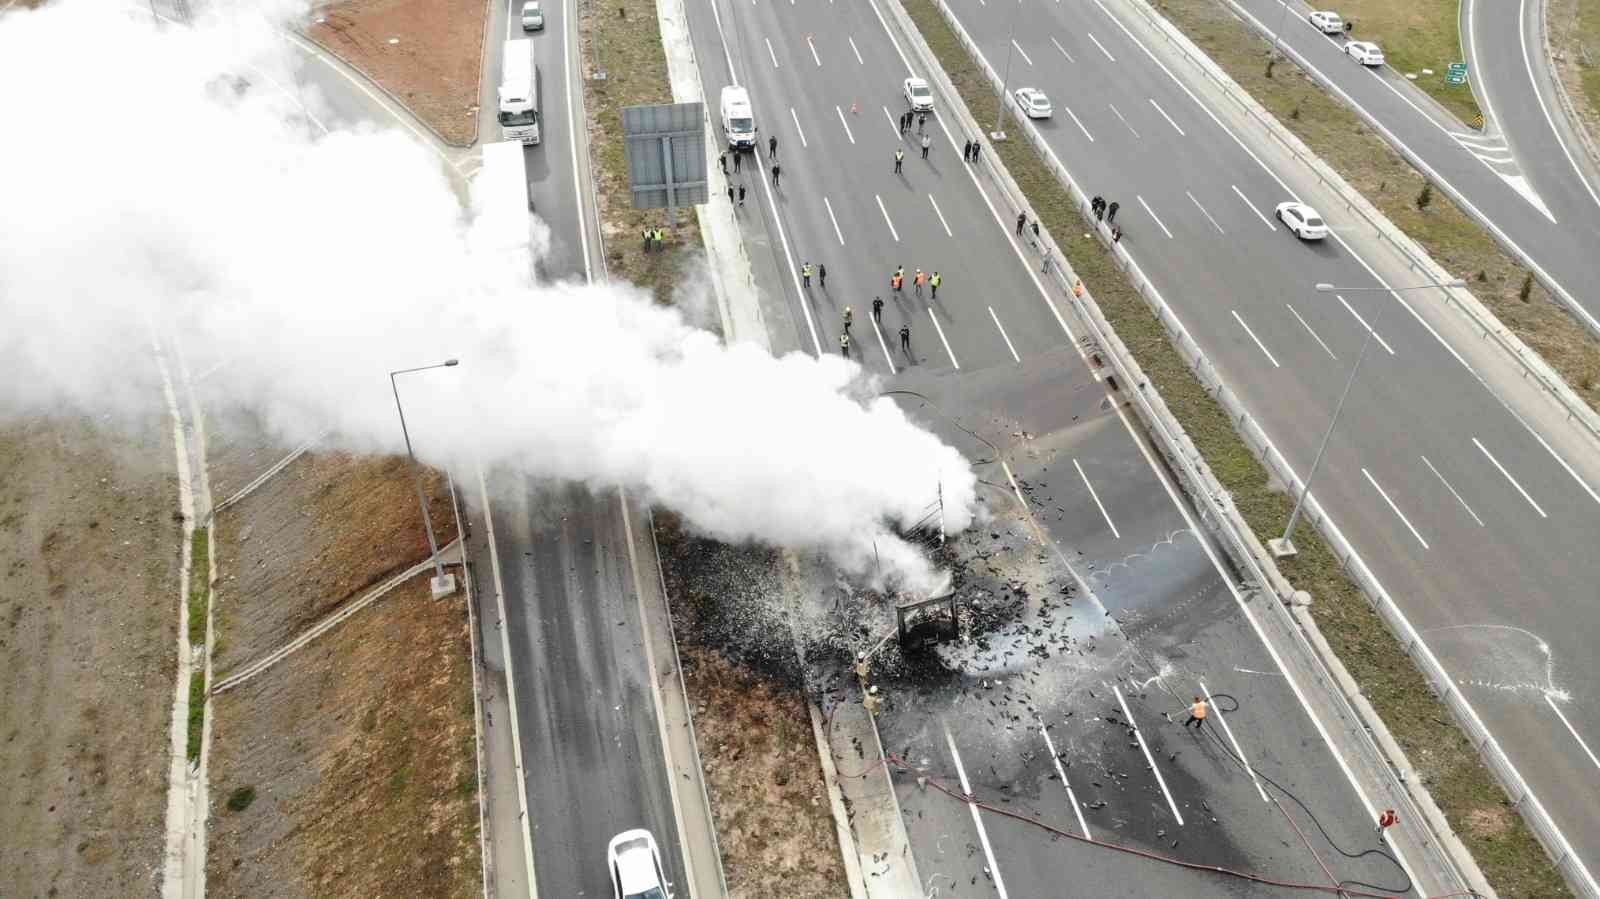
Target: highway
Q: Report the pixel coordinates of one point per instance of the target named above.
(1472, 521)
(994, 355)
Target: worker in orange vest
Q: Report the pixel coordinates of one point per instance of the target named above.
(1197, 714)
(897, 280)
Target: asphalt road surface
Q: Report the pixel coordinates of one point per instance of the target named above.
(825, 81)
(1472, 522)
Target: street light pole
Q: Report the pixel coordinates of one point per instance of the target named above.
(1283, 547)
(443, 584)
(1005, 79)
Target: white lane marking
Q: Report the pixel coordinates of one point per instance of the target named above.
(788, 256)
(853, 49)
(798, 130)
(1205, 213)
(771, 53)
(940, 215)
(1255, 338)
(1101, 46)
(892, 232)
(1251, 206)
(1023, 53)
(813, 47)
(1238, 750)
(1562, 462)
(1452, 490)
(845, 124)
(1068, 110)
(1394, 508)
(1522, 38)
(1138, 732)
(894, 127)
(1096, 497)
(1312, 333)
(942, 340)
(1167, 117)
(572, 146)
(885, 346)
(1364, 324)
(836, 232)
(1003, 335)
(1062, 773)
(1152, 214)
(1124, 121)
(1061, 48)
(1502, 469)
(1572, 730)
(983, 835)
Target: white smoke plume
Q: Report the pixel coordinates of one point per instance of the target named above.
(141, 192)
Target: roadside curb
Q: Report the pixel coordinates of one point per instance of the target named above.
(1220, 516)
(841, 816)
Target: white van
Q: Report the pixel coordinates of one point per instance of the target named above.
(738, 122)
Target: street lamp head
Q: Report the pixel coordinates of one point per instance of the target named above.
(1324, 287)
(452, 362)
(1456, 283)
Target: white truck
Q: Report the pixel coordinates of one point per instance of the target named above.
(502, 228)
(519, 92)
(738, 121)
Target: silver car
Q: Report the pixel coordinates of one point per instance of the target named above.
(532, 16)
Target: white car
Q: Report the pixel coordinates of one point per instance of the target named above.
(636, 866)
(918, 95)
(1326, 21)
(1035, 105)
(532, 16)
(1364, 52)
(1302, 220)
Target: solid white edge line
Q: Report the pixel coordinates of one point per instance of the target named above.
(1572, 730)
(1153, 216)
(1394, 508)
(1204, 212)
(798, 130)
(942, 340)
(572, 135)
(885, 346)
(940, 214)
(1004, 336)
(1249, 769)
(1138, 733)
(1255, 338)
(788, 254)
(1061, 772)
(1451, 489)
(1313, 334)
(1507, 475)
(886, 220)
(836, 232)
(1167, 117)
(845, 124)
(1252, 207)
(983, 835)
(1096, 497)
(1522, 38)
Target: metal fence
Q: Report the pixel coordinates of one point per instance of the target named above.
(1219, 514)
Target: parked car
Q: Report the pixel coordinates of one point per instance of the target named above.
(1364, 52)
(1326, 21)
(532, 16)
(918, 95)
(1302, 220)
(1035, 105)
(635, 865)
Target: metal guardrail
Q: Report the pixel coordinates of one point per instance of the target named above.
(1235, 534)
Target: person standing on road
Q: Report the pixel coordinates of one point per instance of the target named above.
(730, 195)
(736, 156)
(877, 309)
(805, 275)
(1036, 229)
(1116, 234)
(1022, 221)
(919, 279)
(899, 158)
(933, 284)
(649, 236)
(1097, 204)
(922, 122)
(822, 275)
(772, 146)
(741, 195)
(723, 158)
(1385, 821)
(966, 152)
(905, 338)
(844, 344)
(848, 315)
(1111, 213)
(1045, 269)
(661, 237)
(776, 171)
(926, 143)
(1197, 714)
(977, 147)
(897, 280)
(905, 122)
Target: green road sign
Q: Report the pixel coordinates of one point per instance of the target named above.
(1457, 73)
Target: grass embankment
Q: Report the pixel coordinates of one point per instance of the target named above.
(636, 74)
(199, 603)
(1588, 36)
(1448, 764)
(1365, 160)
(1574, 37)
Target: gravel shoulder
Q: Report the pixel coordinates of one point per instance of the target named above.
(89, 544)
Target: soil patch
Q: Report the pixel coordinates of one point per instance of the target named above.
(89, 547)
(427, 53)
(318, 533)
